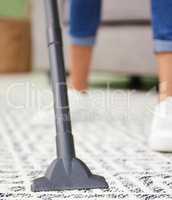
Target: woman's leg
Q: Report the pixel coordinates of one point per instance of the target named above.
(84, 21)
(165, 74)
(80, 60)
(161, 135)
(162, 25)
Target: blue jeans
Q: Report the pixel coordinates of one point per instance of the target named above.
(85, 17)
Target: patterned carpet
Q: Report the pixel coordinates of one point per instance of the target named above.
(110, 128)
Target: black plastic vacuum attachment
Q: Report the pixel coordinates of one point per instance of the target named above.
(66, 172)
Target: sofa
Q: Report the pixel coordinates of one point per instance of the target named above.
(124, 46)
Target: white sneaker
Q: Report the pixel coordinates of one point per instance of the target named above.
(161, 133)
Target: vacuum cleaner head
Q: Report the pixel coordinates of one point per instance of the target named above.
(59, 178)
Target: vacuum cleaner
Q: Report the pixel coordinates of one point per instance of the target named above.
(66, 172)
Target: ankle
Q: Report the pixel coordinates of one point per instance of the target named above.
(78, 86)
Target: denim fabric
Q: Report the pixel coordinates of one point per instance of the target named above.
(162, 24)
(163, 45)
(85, 16)
(83, 41)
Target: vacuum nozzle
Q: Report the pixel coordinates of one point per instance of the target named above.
(58, 178)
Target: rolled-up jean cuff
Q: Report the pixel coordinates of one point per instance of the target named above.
(163, 45)
(83, 41)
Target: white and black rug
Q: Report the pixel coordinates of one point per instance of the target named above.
(110, 130)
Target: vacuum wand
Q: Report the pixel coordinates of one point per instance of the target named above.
(65, 146)
(66, 172)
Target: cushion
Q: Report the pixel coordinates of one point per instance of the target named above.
(126, 10)
(121, 10)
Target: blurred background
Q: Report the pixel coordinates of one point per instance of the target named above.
(123, 56)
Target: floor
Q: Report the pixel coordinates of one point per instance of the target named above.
(110, 129)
